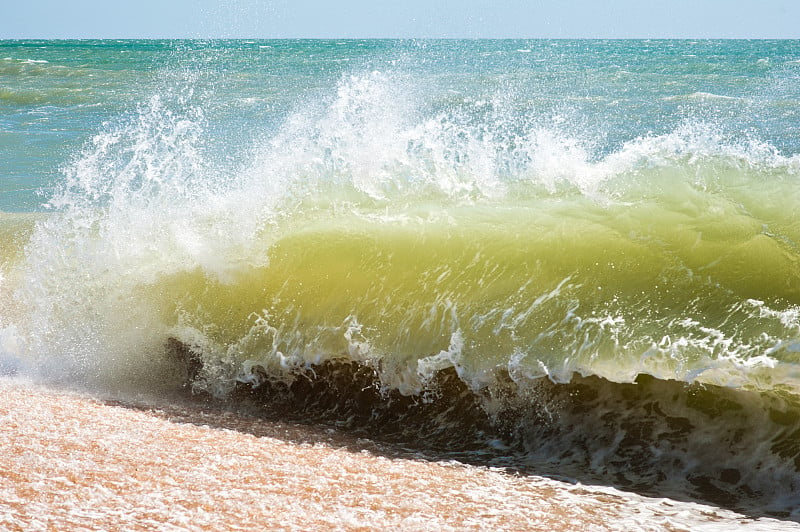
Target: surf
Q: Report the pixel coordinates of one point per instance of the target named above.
(443, 268)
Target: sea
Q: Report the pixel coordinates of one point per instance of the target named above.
(573, 258)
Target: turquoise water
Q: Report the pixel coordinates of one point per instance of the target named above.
(597, 241)
(55, 94)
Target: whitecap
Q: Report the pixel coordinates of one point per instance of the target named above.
(700, 95)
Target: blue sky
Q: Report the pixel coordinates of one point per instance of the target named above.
(400, 18)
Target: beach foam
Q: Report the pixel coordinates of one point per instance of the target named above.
(71, 461)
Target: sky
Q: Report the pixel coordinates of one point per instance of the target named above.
(58, 19)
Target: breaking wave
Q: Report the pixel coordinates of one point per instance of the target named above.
(634, 313)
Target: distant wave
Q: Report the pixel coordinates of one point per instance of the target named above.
(701, 96)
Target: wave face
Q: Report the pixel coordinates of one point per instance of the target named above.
(602, 264)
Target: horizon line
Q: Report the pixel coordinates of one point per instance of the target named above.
(395, 38)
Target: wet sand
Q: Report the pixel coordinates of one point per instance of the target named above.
(70, 461)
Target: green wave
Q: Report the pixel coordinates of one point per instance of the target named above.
(417, 244)
(684, 283)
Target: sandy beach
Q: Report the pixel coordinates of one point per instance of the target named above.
(71, 461)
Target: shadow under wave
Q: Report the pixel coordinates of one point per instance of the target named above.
(736, 449)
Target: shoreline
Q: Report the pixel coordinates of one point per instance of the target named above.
(70, 460)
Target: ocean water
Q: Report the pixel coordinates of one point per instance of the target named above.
(572, 256)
